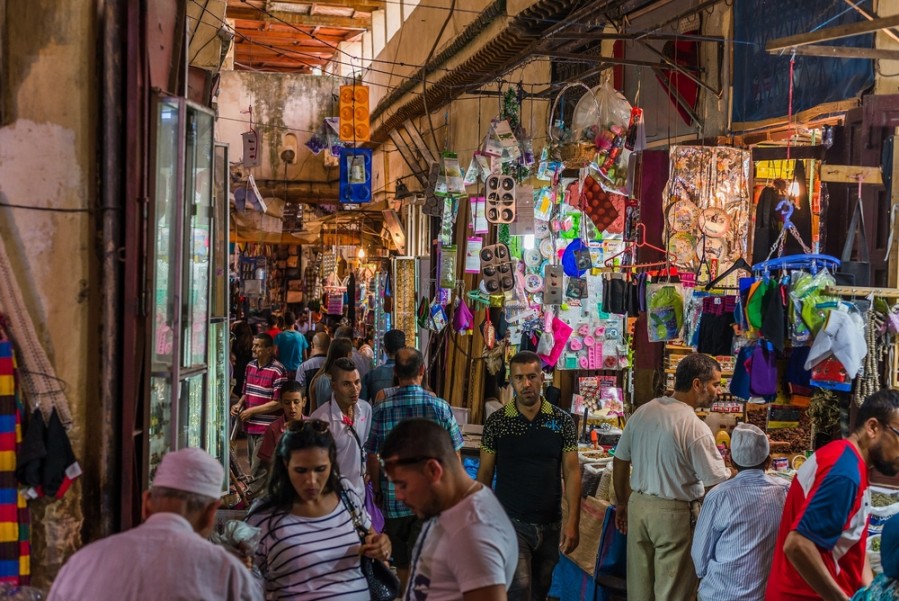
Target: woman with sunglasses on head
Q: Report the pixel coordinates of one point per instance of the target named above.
(310, 548)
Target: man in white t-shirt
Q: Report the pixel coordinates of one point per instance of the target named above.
(674, 462)
(467, 549)
(349, 419)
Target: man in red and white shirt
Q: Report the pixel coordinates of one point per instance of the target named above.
(259, 407)
(820, 549)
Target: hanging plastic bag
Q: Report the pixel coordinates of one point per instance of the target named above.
(665, 309)
(437, 317)
(463, 319)
(547, 341)
(808, 292)
(607, 107)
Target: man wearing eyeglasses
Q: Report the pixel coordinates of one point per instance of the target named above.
(821, 545)
(467, 548)
(409, 401)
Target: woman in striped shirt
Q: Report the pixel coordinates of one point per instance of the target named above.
(310, 547)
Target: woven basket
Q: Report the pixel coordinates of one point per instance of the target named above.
(573, 155)
(577, 154)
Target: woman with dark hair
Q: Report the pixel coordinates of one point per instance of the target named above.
(310, 548)
(320, 387)
(242, 350)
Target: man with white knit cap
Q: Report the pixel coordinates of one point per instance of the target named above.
(737, 527)
(167, 557)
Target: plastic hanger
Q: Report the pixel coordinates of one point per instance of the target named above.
(738, 264)
(640, 242)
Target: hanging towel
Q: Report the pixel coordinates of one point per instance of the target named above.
(46, 462)
(15, 518)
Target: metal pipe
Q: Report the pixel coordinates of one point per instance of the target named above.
(101, 513)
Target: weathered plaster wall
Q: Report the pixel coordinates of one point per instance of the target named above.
(47, 159)
(408, 49)
(886, 72)
(282, 103)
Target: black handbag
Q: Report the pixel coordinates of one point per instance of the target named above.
(855, 273)
(383, 584)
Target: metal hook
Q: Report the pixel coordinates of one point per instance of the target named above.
(785, 208)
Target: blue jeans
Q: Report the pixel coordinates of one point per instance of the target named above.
(538, 554)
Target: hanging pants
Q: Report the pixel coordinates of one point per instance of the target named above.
(659, 537)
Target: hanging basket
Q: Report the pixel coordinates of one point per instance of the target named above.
(573, 155)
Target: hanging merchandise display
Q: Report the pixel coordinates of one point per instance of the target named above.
(500, 199)
(665, 311)
(355, 175)
(496, 269)
(706, 205)
(404, 297)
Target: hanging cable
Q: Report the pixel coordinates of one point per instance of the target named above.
(424, 72)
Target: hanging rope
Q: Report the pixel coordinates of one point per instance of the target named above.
(790, 106)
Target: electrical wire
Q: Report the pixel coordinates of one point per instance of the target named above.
(12, 205)
(424, 73)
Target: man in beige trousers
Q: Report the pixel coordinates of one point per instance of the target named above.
(674, 462)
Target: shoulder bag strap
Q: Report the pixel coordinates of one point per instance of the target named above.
(354, 514)
(358, 442)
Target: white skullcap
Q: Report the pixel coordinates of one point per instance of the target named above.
(191, 470)
(748, 446)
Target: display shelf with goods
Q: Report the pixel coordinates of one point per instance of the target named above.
(404, 297)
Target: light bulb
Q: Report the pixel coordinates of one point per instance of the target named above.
(793, 190)
(361, 253)
(528, 241)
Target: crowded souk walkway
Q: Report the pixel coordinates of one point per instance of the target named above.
(449, 299)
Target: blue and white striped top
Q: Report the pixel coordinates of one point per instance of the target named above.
(734, 539)
(311, 558)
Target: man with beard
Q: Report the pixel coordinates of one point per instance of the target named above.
(674, 462)
(532, 445)
(467, 548)
(820, 549)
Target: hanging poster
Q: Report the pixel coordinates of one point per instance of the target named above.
(762, 80)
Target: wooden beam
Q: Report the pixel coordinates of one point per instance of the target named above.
(285, 18)
(278, 37)
(324, 21)
(366, 6)
(871, 17)
(297, 52)
(850, 174)
(832, 33)
(843, 52)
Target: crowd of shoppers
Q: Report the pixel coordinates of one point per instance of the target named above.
(694, 527)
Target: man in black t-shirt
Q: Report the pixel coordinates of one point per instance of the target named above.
(532, 445)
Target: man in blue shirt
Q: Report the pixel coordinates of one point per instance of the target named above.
(737, 527)
(290, 346)
(382, 376)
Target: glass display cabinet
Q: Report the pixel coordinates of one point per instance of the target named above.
(187, 404)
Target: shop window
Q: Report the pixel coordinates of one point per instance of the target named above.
(188, 271)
